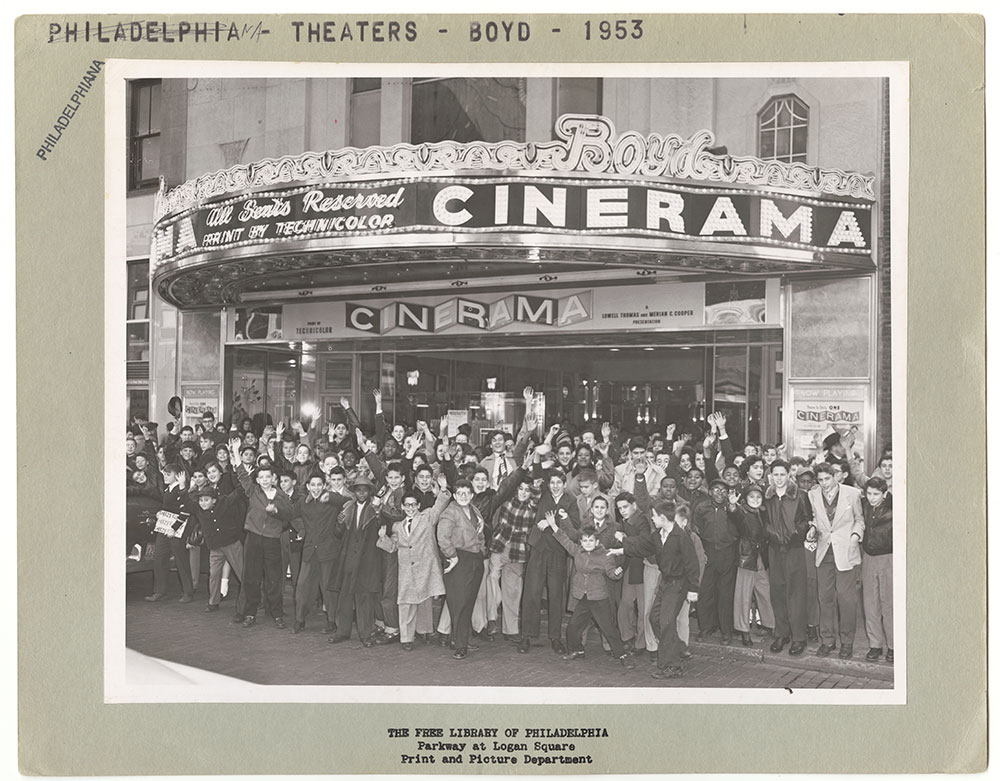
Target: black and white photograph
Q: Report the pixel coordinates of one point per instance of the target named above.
(507, 383)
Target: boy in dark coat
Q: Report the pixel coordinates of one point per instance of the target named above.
(548, 562)
(220, 519)
(678, 563)
(175, 500)
(319, 511)
(358, 575)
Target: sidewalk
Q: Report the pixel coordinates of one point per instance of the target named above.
(833, 664)
(264, 654)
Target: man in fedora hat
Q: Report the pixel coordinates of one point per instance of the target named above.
(358, 575)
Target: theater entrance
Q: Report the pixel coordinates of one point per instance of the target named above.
(641, 382)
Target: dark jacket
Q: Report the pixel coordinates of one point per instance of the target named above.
(752, 545)
(718, 533)
(606, 534)
(227, 483)
(141, 497)
(786, 519)
(319, 520)
(693, 498)
(259, 520)
(878, 527)
(359, 566)
(223, 524)
(635, 527)
(544, 540)
(676, 558)
(179, 502)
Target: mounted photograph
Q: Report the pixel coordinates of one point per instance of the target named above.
(505, 383)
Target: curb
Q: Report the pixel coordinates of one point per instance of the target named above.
(882, 671)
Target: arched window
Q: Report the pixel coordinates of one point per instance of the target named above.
(783, 128)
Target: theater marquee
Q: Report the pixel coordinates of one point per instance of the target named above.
(596, 198)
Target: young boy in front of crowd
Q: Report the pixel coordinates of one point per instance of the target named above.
(220, 519)
(177, 501)
(675, 555)
(593, 568)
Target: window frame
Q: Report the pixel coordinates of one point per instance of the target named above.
(772, 107)
(420, 81)
(559, 110)
(136, 139)
(355, 97)
(130, 302)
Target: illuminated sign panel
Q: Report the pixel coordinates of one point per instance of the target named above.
(659, 307)
(519, 204)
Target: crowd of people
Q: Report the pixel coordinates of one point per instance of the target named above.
(631, 532)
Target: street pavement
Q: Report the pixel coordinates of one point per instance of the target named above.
(264, 654)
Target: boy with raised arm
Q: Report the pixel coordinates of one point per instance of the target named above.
(414, 541)
(593, 568)
(675, 556)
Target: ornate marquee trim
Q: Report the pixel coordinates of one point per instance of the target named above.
(588, 144)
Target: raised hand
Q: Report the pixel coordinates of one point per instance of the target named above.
(670, 430)
(606, 431)
(443, 482)
(528, 393)
(345, 403)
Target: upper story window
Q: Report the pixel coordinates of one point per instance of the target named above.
(578, 96)
(783, 126)
(138, 290)
(366, 112)
(144, 133)
(137, 316)
(464, 110)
